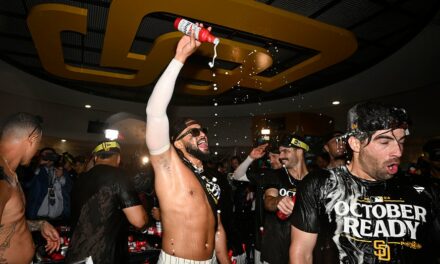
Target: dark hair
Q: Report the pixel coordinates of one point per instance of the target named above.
(47, 148)
(21, 124)
(364, 119)
(105, 155)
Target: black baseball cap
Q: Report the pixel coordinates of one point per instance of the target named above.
(294, 141)
(107, 147)
(334, 134)
(178, 125)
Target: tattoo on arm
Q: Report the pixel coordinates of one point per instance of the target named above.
(165, 163)
(35, 225)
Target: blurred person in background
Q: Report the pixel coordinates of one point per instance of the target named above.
(104, 201)
(20, 137)
(41, 185)
(431, 155)
(335, 147)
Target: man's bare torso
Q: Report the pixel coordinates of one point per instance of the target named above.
(16, 244)
(187, 218)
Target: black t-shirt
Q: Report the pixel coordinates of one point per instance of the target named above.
(225, 205)
(99, 225)
(276, 235)
(260, 179)
(359, 221)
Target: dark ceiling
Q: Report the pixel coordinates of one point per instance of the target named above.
(380, 28)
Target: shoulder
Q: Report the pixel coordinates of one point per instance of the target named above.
(317, 177)
(418, 182)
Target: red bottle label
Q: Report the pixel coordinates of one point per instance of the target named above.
(281, 215)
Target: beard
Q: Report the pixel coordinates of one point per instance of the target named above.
(339, 156)
(197, 153)
(374, 168)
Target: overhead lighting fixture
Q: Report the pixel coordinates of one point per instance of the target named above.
(63, 140)
(336, 103)
(87, 106)
(265, 131)
(111, 134)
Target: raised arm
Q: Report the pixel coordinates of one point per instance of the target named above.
(240, 172)
(256, 153)
(157, 132)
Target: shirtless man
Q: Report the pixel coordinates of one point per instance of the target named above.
(192, 230)
(20, 137)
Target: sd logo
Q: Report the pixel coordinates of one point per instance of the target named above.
(47, 21)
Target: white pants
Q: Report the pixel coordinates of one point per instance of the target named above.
(165, 258)
(257, 256)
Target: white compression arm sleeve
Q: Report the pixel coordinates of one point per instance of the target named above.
(157, 132)
(240, 171)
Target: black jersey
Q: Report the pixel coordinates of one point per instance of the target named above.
(100, 228)
(261, 180)
(276, 234)
(359, 221)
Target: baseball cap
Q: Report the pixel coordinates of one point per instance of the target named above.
(109, 146)
(327, 137)
(178, 125)
(294, 141)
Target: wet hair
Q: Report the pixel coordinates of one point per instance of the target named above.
(20, 125)
(364, 119)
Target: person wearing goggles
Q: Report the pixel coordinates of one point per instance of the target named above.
(188, 194)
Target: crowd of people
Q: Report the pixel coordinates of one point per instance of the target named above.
(351, 203)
